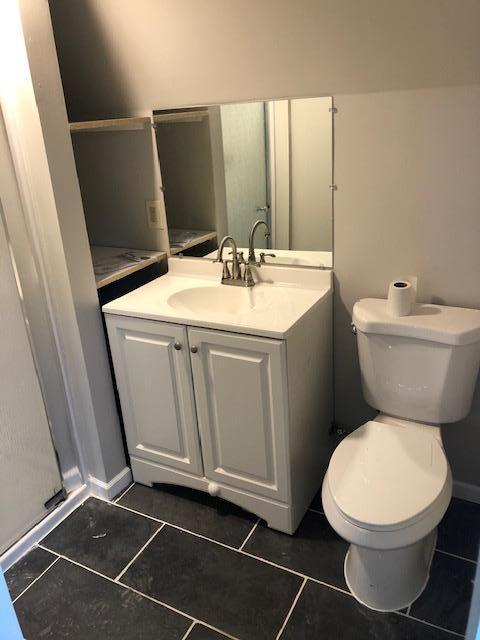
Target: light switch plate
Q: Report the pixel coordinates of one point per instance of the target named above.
(155, 214)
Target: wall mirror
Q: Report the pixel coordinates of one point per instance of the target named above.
(223, 167)
(177, 181)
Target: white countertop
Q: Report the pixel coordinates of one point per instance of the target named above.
(281, 297)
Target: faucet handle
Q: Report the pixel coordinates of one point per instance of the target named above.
(264, 255)
(225, 271)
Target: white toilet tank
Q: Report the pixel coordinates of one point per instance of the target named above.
(423, 366)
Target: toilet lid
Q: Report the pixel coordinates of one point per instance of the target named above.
(385, 476)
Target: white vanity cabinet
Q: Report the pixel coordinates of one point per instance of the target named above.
(240, 390)
(243, 417)
(152, 370)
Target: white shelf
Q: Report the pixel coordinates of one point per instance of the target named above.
(203, 236)
(195, 115)
(112, 124)
(114, 263)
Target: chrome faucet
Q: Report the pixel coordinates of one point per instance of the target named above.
(235, 278)
(251, 250)
(235, 264)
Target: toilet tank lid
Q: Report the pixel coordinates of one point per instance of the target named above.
(438, 323)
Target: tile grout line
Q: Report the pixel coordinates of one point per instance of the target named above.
(138, 513)
(315, 511)
(407, 613)
(430, 624)
(37, 578)
(290, 611)
(138, 553)
(123, 493)
(188, 631)
(454, 555)
(249, 535)
(139, 593)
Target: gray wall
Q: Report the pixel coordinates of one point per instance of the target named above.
(407, 163)
(311, 174)
(145, 53)
(187, 174)
(118, 172)
(408, 201)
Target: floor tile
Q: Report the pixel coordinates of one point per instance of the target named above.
(69, 602)
(314, 550)
(326, 614)
(192, 510)
(27, 569)
(120, 493)
(231, 591)
(459, 531)
(317, 502)
(446, 599)
(101, 536)
(199, 632)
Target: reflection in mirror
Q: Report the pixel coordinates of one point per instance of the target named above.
(226, 166)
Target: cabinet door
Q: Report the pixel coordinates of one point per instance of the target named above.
(241, 396)
(155, 386)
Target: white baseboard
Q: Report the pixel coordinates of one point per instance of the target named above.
(39, 531)
(108, 490)
(466, 491)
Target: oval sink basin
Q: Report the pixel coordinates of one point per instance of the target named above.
(221, 299)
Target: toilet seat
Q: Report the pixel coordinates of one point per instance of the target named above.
(389, 476)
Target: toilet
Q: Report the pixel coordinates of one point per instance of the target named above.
(388, 483)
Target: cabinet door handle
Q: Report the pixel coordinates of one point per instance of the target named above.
(177, 346)
(193, 349)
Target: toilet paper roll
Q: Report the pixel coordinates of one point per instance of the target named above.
(401, 296)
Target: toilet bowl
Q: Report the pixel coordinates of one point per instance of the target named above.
(388, 483)
(386, 489)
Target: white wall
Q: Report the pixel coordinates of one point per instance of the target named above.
(182, 52)
(407, 165)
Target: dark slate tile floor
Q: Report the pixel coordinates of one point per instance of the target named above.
(233, 592)
(199, 632)
(325, 613)
(28, 569)
(315, 550)
(459, 531)
(194, 568)
(75, 603)
(101, 536)
(446, 599)
(192, 510)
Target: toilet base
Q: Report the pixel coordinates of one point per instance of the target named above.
(388, 580)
